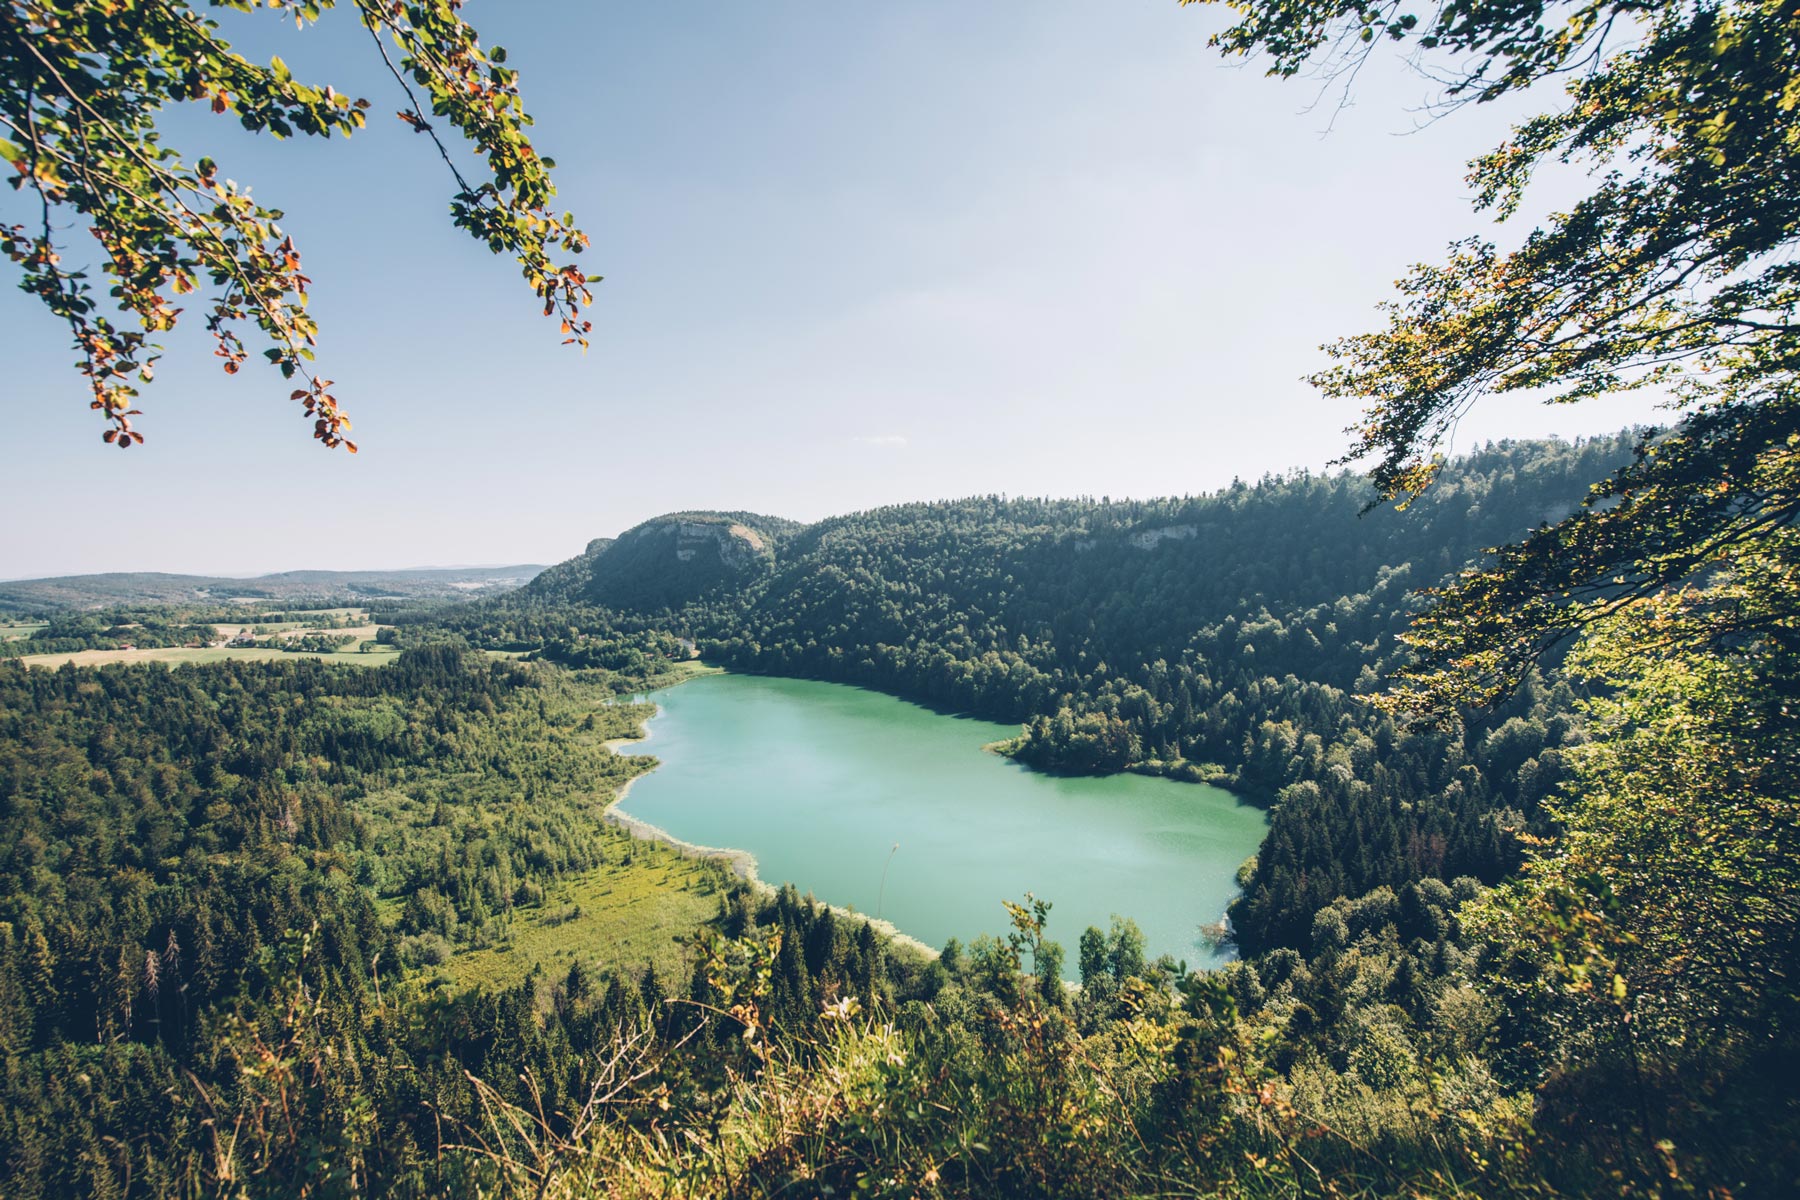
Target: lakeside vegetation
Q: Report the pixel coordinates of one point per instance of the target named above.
(180, 844)
(1406, 994)
(1232, 639)
(815, 783)
(378, 920)
(1527, 723)
(617, 920)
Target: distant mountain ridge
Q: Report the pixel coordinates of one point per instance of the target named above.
(1300, 538)
(155, 587)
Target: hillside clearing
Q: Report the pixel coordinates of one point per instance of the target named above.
(625, 915)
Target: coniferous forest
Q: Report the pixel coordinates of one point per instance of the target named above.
(335, 907)
(236, 893)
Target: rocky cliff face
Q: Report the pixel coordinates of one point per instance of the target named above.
(669, 560)
(1149, 539)
(735, 545)
(1146, 539)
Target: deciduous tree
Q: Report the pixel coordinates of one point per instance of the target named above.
(83, 87)
(1647, 951)
(1675, 271)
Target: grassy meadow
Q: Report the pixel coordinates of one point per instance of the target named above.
(345, 622)
(628, 914)
(379, 656)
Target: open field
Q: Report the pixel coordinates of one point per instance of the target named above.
(290, 632)
(12, 632)
(348, 622)
(626, 914)
(176, 655)
(229, 631)
(352, 620)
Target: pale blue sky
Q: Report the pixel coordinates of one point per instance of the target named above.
(854, 254)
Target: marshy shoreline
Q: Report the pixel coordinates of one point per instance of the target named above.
(741, 863)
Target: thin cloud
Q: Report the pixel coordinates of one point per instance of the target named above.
(890, 441)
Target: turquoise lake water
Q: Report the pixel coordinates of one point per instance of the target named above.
(819, 781)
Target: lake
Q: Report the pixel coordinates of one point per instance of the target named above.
(818, 781)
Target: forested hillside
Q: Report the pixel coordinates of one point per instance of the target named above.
(225, 892)
(673, 560)
(1410, 1016)
(292, 921)
(296, 929)
(1225, 637)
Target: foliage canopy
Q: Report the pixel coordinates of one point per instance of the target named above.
(1674, 271)
(1646, 952)
(83, 85)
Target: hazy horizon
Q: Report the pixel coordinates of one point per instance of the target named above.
(253, 575)
(501, 563)
(853, 258)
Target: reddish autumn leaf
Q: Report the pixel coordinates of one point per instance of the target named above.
(165, 222)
